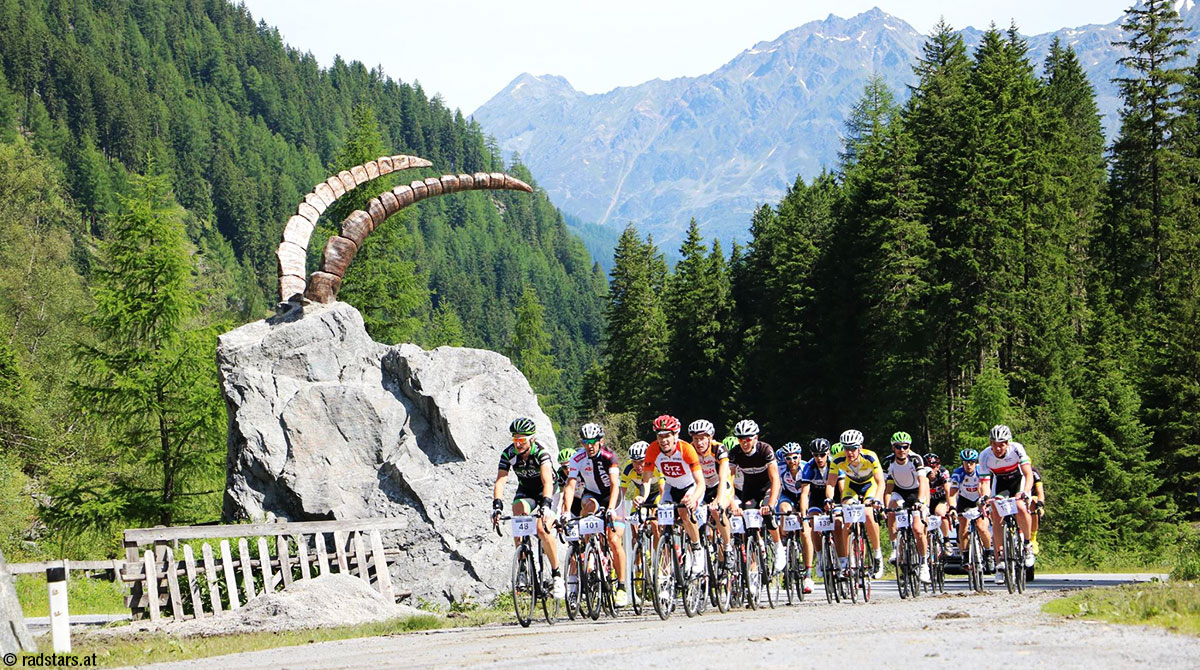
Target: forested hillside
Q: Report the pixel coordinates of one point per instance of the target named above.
(141, 135)
(977, 257)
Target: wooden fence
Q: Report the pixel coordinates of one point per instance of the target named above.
(163, 574)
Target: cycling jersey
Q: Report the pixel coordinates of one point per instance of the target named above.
(861, 472)
(529, 468)
(710, 463)
(1004, 473)
(965, 485)
(906, 475)
(677, 468)
(631, 480)
(937, 485)
(815, 476)
(790, 483)
(595, 471)
(755, 469)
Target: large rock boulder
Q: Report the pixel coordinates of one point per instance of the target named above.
(14, 636)
(325, 423)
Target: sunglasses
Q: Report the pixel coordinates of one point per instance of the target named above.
(792, 458)
(900, 446)
(591, 441)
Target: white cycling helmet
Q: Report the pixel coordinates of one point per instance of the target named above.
(852, 437)
(1001, 433)
(591, 431)
(701, 426)
(637, 451)
(745, 428)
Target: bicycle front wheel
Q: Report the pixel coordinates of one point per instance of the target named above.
(639, 574)
(829, 566)
(524, 585)
(550, 604)
(752, 572)
(592, 579)
(574, 581)
(663, 577)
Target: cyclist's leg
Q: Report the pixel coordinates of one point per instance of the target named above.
(616, 536)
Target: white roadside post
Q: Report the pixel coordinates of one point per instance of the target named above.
(60, 618)
(628, 541)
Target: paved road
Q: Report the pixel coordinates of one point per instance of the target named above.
(957, 629)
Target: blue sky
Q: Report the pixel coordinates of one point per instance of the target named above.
(467, 50)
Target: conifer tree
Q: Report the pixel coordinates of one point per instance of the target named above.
(529, 348)
(697, 294)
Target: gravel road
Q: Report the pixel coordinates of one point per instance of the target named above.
(956, 629)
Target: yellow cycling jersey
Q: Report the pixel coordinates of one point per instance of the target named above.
(861, 472)
(632, 481)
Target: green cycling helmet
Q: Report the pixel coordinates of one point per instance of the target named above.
(730, 442)
(565, 455)
(522, 426)
(901, 437)
(836, 450)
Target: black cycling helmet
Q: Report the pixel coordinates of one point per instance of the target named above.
(522, 426)
(932, 459)
(819, 446)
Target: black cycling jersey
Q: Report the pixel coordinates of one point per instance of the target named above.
(529, 468)
(937, 485)
(756, 481)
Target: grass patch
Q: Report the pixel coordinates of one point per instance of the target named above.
(1171, 605)
(84, 596)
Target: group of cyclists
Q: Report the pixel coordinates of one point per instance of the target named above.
(713, 480)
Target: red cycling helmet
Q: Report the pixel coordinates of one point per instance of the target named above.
(667, 422)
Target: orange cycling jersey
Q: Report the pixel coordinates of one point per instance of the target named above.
(676, 468)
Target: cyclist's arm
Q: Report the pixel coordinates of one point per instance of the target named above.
(568, 495)
(879, 480)
(1026, 477)
(1039, 492)
(547, 481)
(923, 489)
(647, 477)
(951, 495)
(498, 487)
(697, 491)
(887, 489)
(614, 475)
(803, 498)
(776, 483)
(985, 486)
(831, 481)
(723, 482)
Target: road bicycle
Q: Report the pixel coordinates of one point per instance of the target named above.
(531, 580)
(836, 583)
(672, 567)
(755, 562)
(640, 560)
(722, 579)
(908, 562)
(854, 516)
(973, 561)
(598, 580)
(936, 544)
(1012, 545)
(793, 570)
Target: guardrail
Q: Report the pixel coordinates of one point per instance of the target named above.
(286, 552)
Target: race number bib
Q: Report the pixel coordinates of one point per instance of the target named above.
(1006, 506)
(935, 521)
(791, 522)
(591, 525)
(753, 518)
(823, 523)
(701, 517)
(666, 515)
(671, 469)
(854, 513)
(572, 531)
(972, 513)
(523, 526)
(902, 519)
(736, 526)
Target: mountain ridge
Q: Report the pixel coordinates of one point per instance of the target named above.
(716, 145)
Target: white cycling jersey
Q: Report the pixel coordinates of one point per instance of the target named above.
(906, 475)
(966, 485)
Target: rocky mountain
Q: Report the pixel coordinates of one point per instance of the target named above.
(715, 146)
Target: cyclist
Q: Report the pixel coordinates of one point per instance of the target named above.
(718, 483)
(907, 486)
(535, 488)
(939, 491)
(791, 476)
(1005, 470)
(1039, 508)
(631, 480)
(760, 486)
(965, 492)
(594, 467)
(859, 472)
(680, 468)
(812, 497)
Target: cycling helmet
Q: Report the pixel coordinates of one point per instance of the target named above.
(852, 437)
(968, 455)
(522, 426)
(1001, 433)
(791, 449)
(701, 426)
(745, 428)
(901, 437)
(836, 450)
(819, 446)
(591, 431)
(932, 460)
(637, 451)
(729, 442)
(565, 455)
(666, 422)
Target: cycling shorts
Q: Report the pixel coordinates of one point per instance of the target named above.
(785, 496)
(532, 493)
(618, 511)
(964, 504)
(863, 490)
(905, 496)
(1007, 486)
(710, 493)
(675, 495)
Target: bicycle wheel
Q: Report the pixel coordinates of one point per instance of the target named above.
(722, 586)
(608, 584)
(902, 565)
(1020, 570)
(589, 582)
(914, 565)
(524, 585)
(794, 570)
(1010, 554)
(752, 572)
(694, 589)
(975, 559)
(864, 567)
(571, 571)
(767, 569)
(663, 576)
(829, 568)
(637, 575)
(550, 605)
